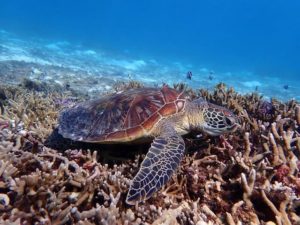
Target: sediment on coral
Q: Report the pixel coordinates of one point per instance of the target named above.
(248, 177)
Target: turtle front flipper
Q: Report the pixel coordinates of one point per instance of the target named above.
(161, 161)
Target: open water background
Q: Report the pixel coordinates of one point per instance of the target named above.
(247, 44)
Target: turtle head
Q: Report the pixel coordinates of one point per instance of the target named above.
(218, 120)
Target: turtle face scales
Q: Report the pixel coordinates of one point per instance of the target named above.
(218, 120)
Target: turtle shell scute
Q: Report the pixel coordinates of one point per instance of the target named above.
(123, 116)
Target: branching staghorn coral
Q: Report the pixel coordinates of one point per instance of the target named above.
(249, 177)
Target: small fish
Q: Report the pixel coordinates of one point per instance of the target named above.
(189, 75)
(210, 76)
(286, 86)
(266, 109)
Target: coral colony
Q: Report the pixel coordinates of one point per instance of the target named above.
(250, 176)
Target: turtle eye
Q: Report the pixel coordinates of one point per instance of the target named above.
(229, 121)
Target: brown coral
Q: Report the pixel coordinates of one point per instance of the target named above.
(251, 176)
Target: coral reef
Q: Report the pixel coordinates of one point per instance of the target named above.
(249, 177)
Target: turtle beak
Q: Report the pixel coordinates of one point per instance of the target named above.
(232, 123)
(234, 127)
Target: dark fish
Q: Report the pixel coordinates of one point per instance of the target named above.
(210, 77)
(286, 86)
(189, 75)
(2, 94)
(265, 109)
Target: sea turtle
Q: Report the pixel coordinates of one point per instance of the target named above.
(162, 114)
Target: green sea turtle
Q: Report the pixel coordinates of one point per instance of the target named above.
(145, 114)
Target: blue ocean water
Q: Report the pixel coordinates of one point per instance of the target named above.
(247, 44)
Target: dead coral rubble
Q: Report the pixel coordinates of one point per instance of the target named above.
(249, 177)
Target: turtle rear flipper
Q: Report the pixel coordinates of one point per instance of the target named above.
(161, 161)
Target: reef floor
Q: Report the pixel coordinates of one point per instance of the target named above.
(248, 177)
